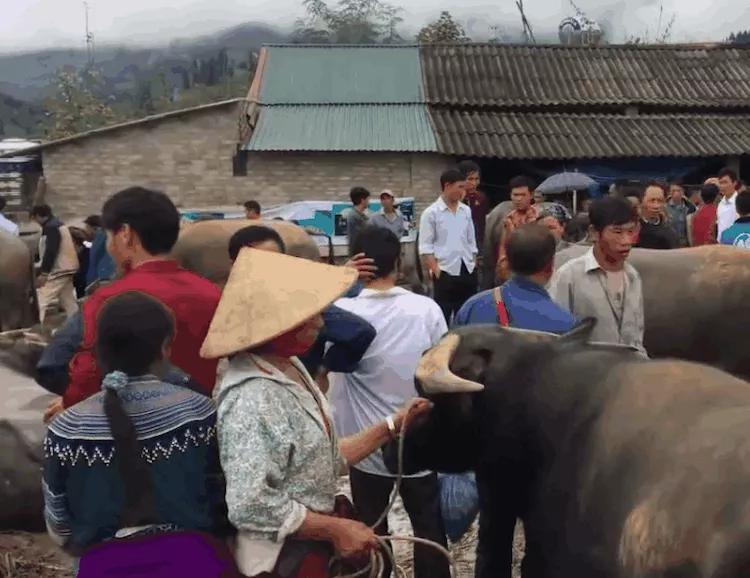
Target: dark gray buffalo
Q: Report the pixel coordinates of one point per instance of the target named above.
(619, 467)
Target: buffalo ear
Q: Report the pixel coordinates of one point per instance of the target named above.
(581, 333)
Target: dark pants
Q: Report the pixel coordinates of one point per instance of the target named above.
(421, 497)
(452, 292)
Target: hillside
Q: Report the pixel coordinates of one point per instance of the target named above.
(134, 80)
(20, 119)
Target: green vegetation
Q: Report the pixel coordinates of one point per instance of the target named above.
(444, 29)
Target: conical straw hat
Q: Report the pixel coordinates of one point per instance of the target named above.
(268, 294)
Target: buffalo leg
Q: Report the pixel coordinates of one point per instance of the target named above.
(498, 511)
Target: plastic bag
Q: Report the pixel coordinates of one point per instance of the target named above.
(459, 503)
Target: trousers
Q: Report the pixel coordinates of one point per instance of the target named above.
(57, 289)
(451, 292)
(421, 497)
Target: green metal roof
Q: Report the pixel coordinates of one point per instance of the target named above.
(342, 75)
(344, 128)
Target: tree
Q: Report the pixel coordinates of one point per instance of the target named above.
(351, 22)
(740, 37)
(444, 29)
(76, 106)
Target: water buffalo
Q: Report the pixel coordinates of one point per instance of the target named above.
(202, 247)
(619, 467)
(697, 303)
(17, 295)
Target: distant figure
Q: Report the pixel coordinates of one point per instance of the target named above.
(703, 222)
(475, 199)
(655, 231)
(5, 223)
(59, 263)
(679, 209)
(357, 217)
(726, 212)
(252, 210)
(83, 239)
(389, 217)
(523, 213)
(448, 245)
(739, 233)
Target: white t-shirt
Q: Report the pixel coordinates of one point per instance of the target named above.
(8, 226)
(407, 325)
(726, 214)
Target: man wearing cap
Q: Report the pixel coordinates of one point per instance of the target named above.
(389, 217)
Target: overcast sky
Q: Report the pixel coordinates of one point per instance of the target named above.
(28, 24)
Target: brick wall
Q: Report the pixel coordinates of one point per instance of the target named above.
(190, 158)
(275, 178)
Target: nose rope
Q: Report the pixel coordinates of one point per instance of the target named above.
(376, 567)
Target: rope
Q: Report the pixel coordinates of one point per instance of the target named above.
(376, 566)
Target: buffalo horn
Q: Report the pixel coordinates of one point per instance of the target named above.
(434, 371)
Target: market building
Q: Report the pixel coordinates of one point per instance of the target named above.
(320, 119)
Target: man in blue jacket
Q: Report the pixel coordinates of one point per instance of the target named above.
(522, 302)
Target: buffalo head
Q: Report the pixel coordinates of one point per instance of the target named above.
(476, 377)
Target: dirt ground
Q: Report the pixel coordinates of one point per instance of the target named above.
(31, 556)
(25, 555)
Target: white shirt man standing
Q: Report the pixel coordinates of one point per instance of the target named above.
(5, 223)
(406, 325)
(448, 245)
(726, 211)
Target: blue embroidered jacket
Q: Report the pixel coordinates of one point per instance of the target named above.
(529, 306)
(83, 488)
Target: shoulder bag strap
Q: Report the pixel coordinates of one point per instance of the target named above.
(502, 310)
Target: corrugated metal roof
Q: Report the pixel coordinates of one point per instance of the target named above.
(344, 128)
(567, 136)
(341, 75)
(525, 76)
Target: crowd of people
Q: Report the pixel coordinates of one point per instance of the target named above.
(159, 456)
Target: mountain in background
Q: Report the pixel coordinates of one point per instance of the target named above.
(134, 81)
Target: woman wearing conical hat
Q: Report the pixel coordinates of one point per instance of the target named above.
(279, 452)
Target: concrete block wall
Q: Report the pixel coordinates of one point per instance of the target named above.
(275, 178)
(189, 157)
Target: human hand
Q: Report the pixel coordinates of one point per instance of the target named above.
(415, 408)
(364, 266)
(53, 409)
(352, 539)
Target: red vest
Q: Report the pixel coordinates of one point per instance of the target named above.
(192, 301)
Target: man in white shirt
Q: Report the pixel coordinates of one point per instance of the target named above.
(726, 211)
(5, 223)
(406, 325)
(448, 245)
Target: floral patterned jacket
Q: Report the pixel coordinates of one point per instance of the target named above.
(277, 454)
